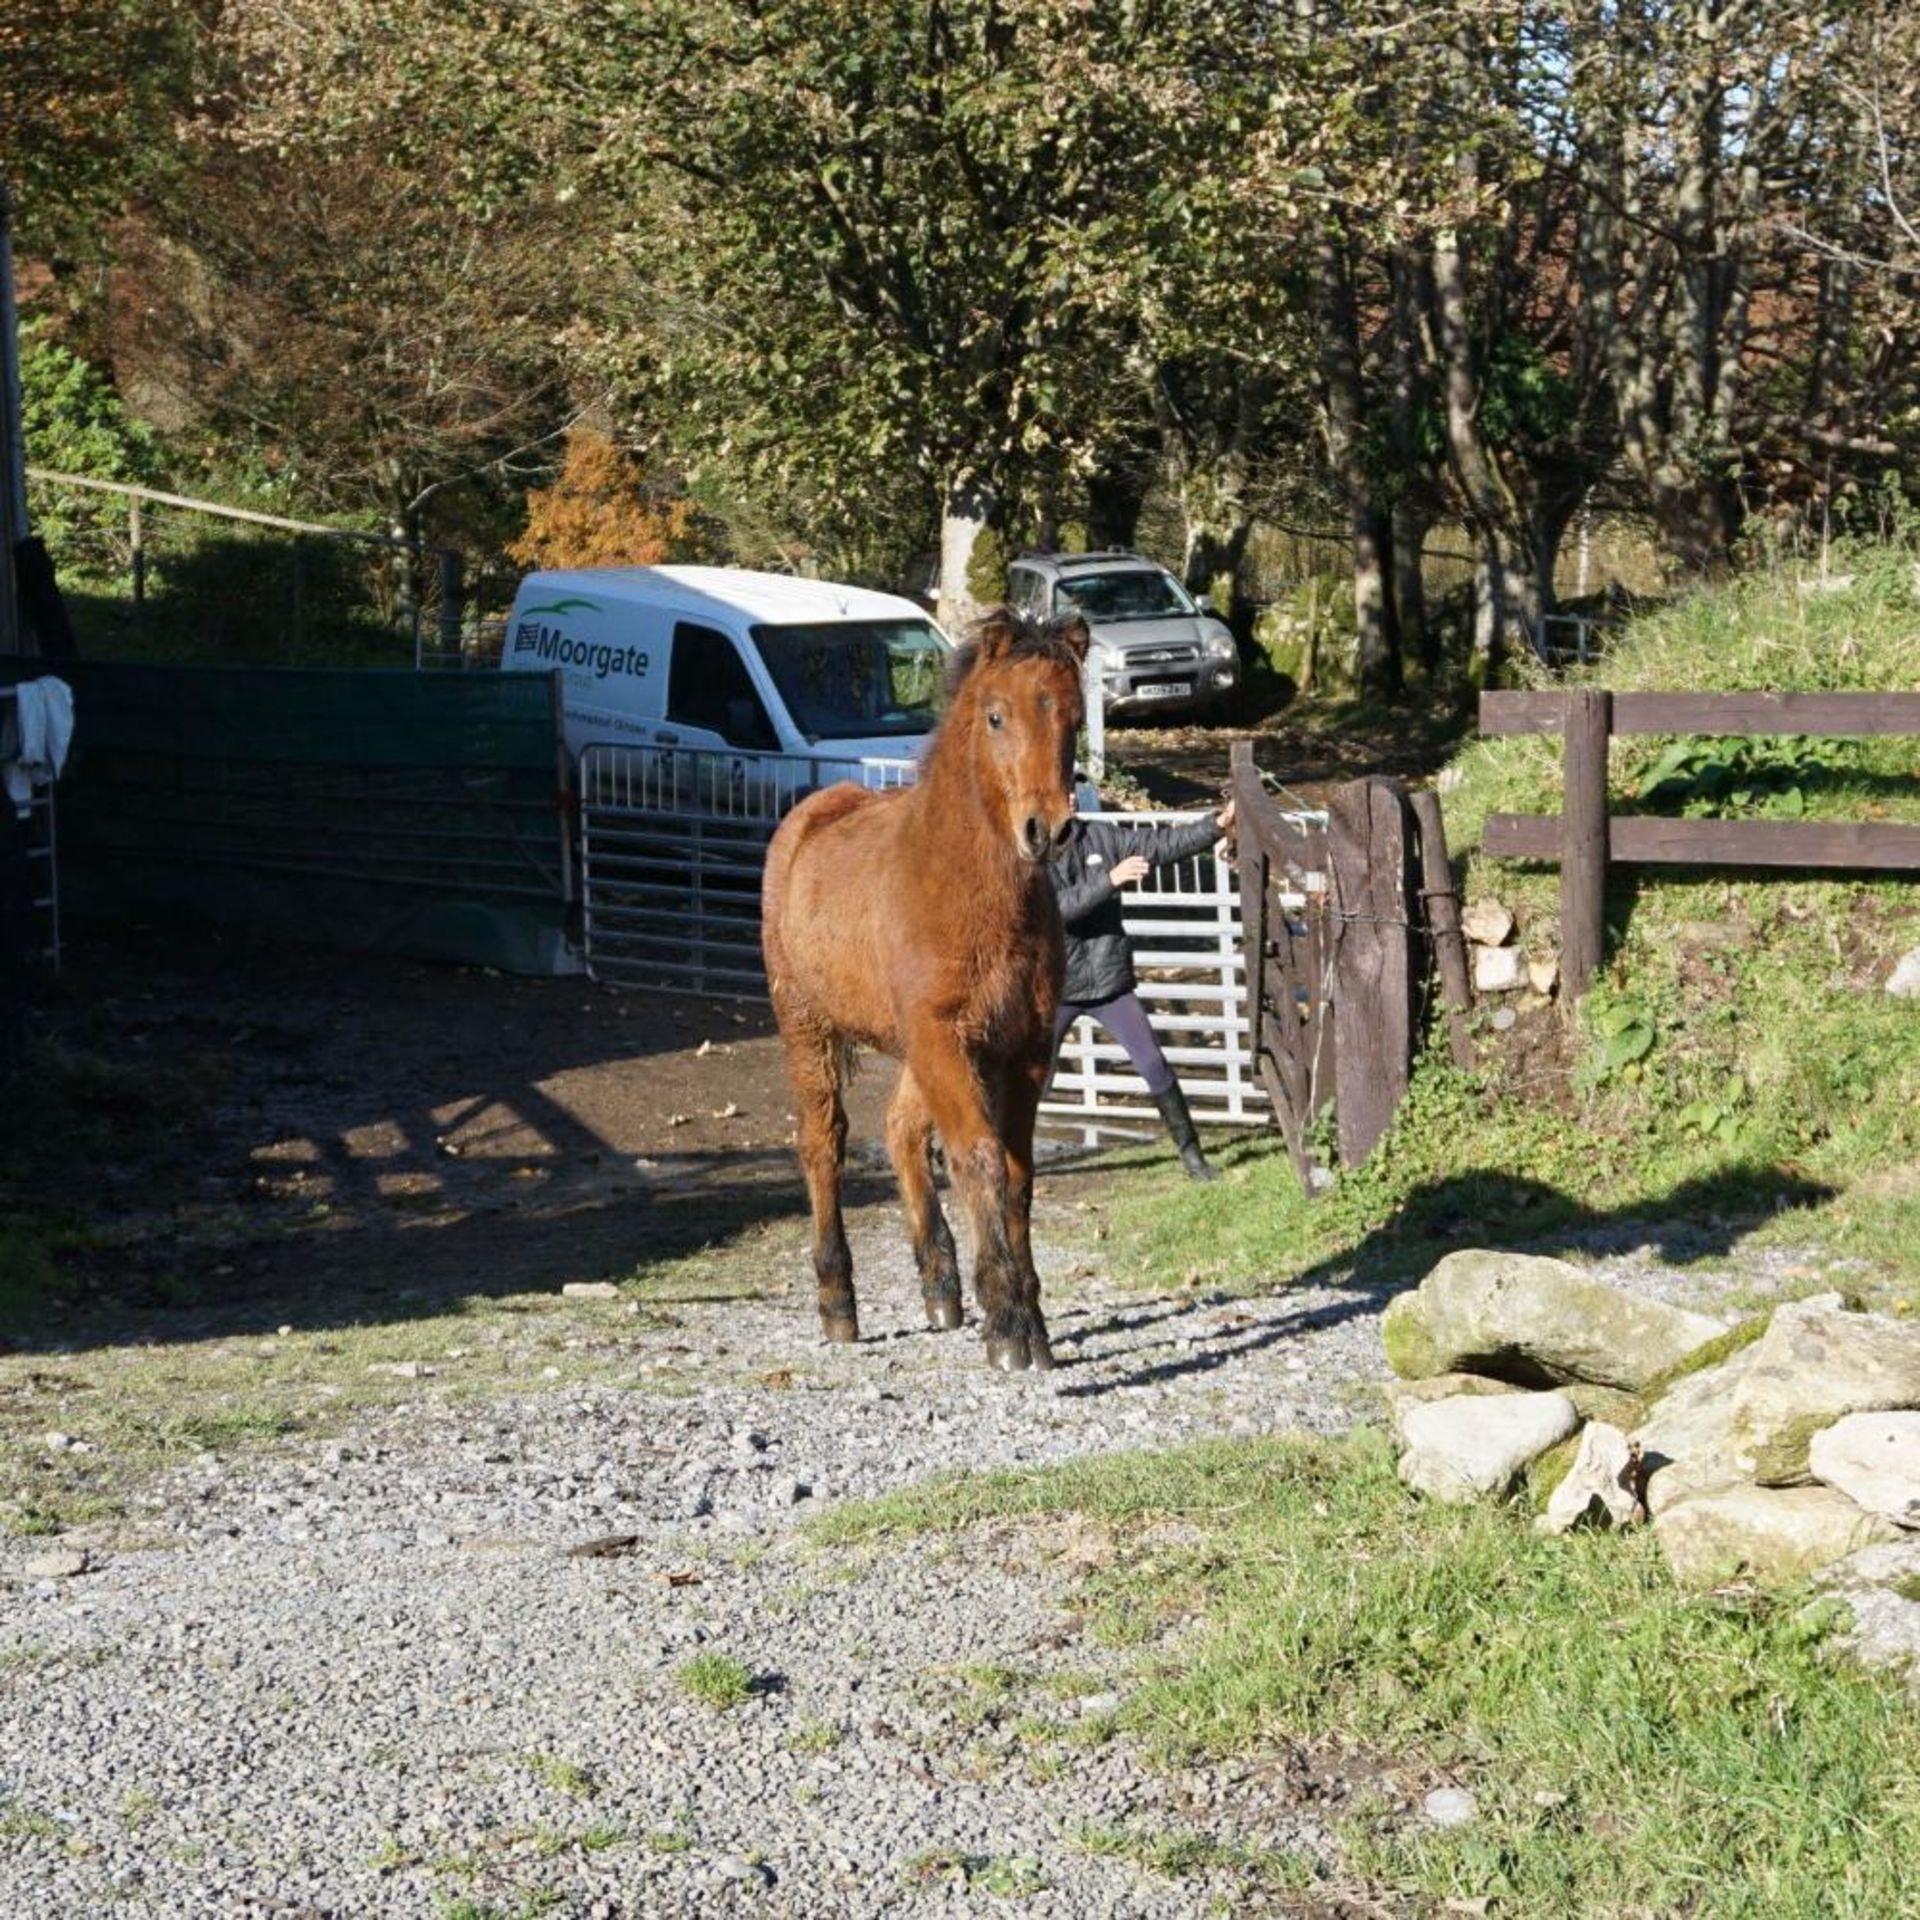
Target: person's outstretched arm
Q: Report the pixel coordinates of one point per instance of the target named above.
(1160, 845)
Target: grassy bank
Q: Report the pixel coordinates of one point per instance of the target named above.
(1739, 1065)
(1630, 1749)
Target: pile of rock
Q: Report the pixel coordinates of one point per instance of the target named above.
(1500, 965)
(1783, 1447)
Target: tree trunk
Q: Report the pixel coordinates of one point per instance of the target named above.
(1214, 554)
(1376, 644)
(966, 513)
(1376, 640)
(1506, 601)
(1116, 491)
(1409, 527)
(1417, 634)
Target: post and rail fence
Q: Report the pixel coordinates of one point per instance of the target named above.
(448, 625)
(1586, 839)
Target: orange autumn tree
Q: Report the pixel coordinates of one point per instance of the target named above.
(604, 512)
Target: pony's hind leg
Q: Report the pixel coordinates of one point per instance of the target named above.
(909, 1135)
(814, 1060)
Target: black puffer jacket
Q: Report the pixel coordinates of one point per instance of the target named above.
(1099, 958)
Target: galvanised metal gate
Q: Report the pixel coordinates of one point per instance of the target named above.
(673, 842)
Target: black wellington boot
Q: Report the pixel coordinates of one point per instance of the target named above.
(1173, 1110)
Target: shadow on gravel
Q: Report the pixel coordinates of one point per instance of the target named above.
(1700, 1220)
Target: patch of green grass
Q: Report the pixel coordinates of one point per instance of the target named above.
(138, 1805)
(1178, 1853)
(1000, 1876)
(1737, 1060)
(27, 1823)
(815, 1736)
(563, 1776)
(29, 1277)
(716, 1680)
(1694, 1754)
(674, 1839)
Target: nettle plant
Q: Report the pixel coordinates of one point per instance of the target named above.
(1757, 774)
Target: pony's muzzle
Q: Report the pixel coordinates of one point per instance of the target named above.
(1037, 839)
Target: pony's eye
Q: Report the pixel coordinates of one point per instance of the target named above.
(994, 720)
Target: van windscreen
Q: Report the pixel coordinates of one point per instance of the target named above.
(853, 679)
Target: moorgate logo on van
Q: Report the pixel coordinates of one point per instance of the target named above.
(560, 647)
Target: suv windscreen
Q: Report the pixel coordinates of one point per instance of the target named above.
(852, 679)
(1134, 594)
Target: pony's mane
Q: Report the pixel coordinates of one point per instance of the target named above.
(1031, 639)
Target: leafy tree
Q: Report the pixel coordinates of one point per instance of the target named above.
(72, 421)
(601, 512)
(89, 91)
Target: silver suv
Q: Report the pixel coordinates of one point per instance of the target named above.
(1159, 649)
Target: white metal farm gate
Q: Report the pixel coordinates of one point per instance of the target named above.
(672, 845)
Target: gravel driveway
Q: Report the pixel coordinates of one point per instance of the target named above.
(366, 1677)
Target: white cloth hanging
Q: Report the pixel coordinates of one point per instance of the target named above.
(44, 709)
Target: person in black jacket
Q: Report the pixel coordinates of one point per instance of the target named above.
(1097, 861)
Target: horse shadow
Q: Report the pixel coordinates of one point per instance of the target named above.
(1702, 1219)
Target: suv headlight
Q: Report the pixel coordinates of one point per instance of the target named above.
(1220, 646)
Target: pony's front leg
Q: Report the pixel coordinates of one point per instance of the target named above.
(813, 1066)
(977, 1159)
(909, 1135)
(1020, 1103)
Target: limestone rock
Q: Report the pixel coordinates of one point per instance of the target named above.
(61, 1564)
(1769, 1535)
(1543, 975)
(1475, 1446)
(1602, 1486)
(1404, 1395)
(1904, 981)
(1487, 923)
(1881, 1587)
(1685, 1439)
(1496, 969)
(1538, 1322)
(1815, 1363)
(1874, 1459)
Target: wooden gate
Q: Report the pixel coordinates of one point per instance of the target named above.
(1341, 922)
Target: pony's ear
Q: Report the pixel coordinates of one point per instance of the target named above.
(994, 634)
(1073, 630)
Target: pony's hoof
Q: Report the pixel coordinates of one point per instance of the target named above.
(1039, 1353)
(1010, 1356)
(944, 1312)
(839, 1330)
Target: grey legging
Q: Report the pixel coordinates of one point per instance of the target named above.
(1126, 1019)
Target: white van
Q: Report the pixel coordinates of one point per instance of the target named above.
(727, 660)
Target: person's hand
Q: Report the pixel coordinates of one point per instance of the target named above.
(1224, 818)
(1123, 873)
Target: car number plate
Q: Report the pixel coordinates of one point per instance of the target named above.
(1164, 690)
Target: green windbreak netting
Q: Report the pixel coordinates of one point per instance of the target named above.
(411, 813)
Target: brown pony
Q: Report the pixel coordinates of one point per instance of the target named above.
(922, 923)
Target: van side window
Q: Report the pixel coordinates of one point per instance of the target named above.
(708, 687)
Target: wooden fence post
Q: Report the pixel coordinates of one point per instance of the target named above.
(1372, 984)
(1583, 851)
(1443, 926)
